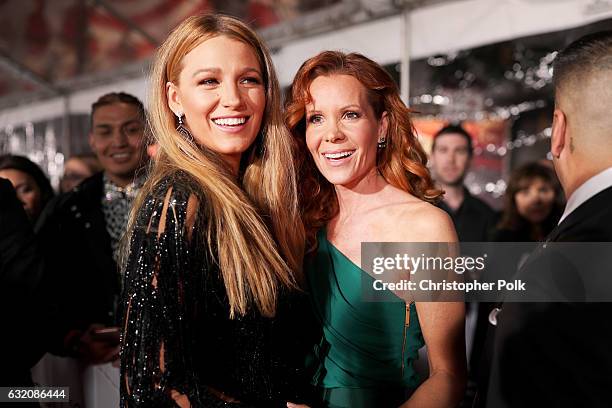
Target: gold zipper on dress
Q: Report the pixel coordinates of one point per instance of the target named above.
(406, 325)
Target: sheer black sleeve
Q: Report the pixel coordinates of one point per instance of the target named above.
(161, 301)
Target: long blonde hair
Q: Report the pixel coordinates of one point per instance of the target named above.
(255, 261)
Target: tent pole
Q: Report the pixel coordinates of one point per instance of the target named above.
(66, 139)
(406, 51)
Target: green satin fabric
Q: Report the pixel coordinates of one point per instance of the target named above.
(363, 342)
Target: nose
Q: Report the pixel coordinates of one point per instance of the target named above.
(231, 96)
(533, 197)
(539, 196)
(119, 137)
(334, 133)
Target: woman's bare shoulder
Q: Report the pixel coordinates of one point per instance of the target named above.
(415, 220)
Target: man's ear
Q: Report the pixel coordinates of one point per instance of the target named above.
(559, 133)
(174, 100)
(91, 142)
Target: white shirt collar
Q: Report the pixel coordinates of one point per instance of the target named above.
(588, 189)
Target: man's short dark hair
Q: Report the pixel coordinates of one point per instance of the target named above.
(117, 97)
(455, 130)
(583, 56)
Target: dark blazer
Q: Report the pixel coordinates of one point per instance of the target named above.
(82, 278)
(556, 354)
(21, 268)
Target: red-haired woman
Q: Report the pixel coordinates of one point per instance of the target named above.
(364, 179)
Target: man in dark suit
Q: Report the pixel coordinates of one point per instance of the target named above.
(21, 268)
(559, 354)
(81, 233)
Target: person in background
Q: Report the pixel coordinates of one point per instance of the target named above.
(78, 168)
(533, 204)
(30, 182)
(474, 220)
(21, 268)
(451, 156)
(558, 354)
(80, 233)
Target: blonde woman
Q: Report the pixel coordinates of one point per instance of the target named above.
(212, 267)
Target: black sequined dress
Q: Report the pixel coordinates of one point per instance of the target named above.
(178, 337)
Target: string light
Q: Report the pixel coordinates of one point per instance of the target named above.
(522, 140)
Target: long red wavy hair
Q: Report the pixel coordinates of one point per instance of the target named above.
(402, 162)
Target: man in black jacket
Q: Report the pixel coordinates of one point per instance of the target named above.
(451, 157)
(21, 268)
(474, 220)
(558, 354)
(81, 231)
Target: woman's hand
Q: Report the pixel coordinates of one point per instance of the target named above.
(292, 405)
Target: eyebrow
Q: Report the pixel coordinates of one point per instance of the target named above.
(250, 69)
(351, 106)
(217, 70)
(203, 70)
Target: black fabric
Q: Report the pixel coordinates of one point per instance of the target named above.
(507, 235)
(474, 220)
(82, 279)
(556, 354)
(21, 268)
(177, 311)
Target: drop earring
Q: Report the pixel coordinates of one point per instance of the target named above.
(182, 129)
(382, 143)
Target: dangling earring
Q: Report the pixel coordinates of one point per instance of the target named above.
(382, 143)
(182, 129)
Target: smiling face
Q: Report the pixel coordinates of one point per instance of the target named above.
(342, 130)
(117, 139)
(221, 92)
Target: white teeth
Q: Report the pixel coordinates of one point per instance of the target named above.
(120, 155)
(230, 121)
(338, 155)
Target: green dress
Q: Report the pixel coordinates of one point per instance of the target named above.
(366, 353)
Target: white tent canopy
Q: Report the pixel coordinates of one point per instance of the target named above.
(430, 29)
